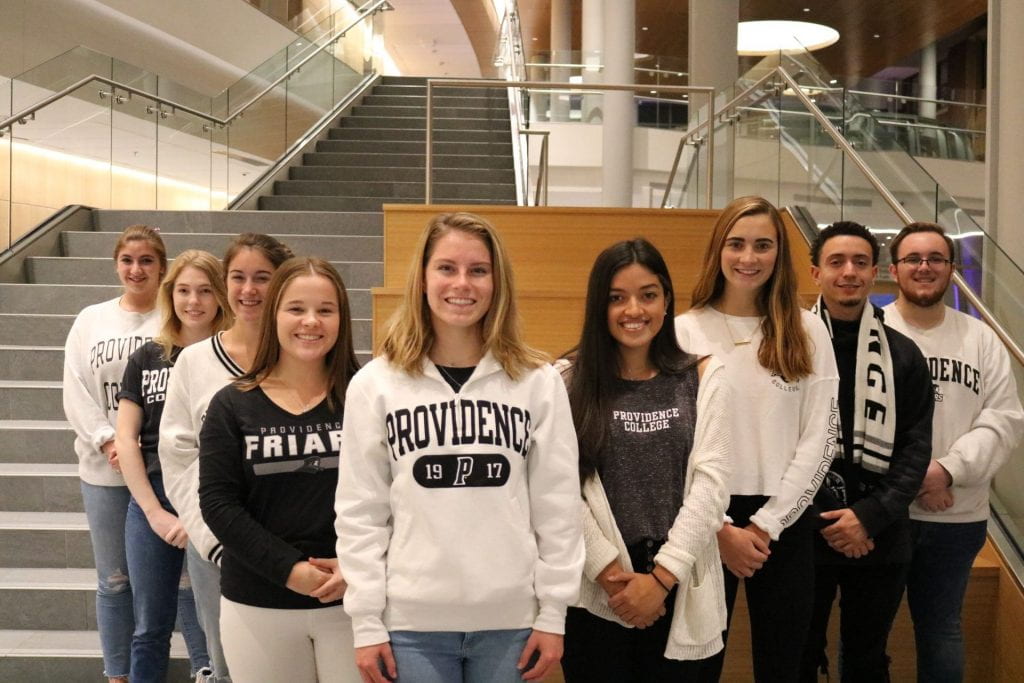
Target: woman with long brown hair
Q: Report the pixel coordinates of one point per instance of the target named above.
(268, 470)
(780, 365)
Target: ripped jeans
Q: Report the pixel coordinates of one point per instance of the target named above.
(106, 508)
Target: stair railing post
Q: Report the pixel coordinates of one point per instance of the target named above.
(429, 156)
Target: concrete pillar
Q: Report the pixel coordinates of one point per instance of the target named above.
(592, 53)
(561, 53)
(713, 62)
(1004, 145)
(619, 107)
(929, 78)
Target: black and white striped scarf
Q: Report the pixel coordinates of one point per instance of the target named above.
(874, 396)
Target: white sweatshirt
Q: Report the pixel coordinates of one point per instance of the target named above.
(201, 371)
(691, 551)
(978, 417)
(784, 433)
(101, 339)
(458, 511)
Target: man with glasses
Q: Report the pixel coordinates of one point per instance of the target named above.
(885, 438)
(978, 421)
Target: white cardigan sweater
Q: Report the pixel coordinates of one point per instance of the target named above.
(691, 550)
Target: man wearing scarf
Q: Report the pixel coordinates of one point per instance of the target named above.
(885, 414)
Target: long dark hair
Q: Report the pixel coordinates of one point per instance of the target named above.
(593, 378)
(340, 361)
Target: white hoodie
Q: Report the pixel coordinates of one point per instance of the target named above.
(101, 339)
(458, 511)
(978, 418)
(201, 370)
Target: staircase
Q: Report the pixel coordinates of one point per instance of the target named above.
(377, 154)
(47, 584)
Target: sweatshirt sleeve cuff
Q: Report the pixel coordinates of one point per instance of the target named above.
(550, 619)
(871, 516)
(369, 630)
(600, 554)
(951, 464)
(102, 436)
(771, 526)
(679, 566)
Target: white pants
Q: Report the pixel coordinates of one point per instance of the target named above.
(287, 645)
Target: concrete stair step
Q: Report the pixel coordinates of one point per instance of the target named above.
(56, 540)
(35, 328)
(498, 100)
(421, 91)
(45, 598)
(32, 363)
(283, 203)
(405, 160)
(36, 441)
(68, 656)
(39, 487)
(440, 111)
(414, 147)
(234, 222)
(417, 134)
(332, 248)
(27, 400)
(336, 188)
(405, 175)
(96, 270)
(411, 122)
(67, 299)
(403, 80)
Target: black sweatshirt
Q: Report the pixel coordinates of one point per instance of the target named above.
(267, 480)
(881, 501)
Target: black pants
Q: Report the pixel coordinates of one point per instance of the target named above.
(602, 651)
(869, 596)
(780, 599)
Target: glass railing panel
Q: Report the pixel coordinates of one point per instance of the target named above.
(5, 166)
(257, 139)
(219, 167)
(755, 134)
(55, 74)
(257, 80)
(310, 93)
(184, 148)
(61, 157)
(1008, 484)
(133, 140)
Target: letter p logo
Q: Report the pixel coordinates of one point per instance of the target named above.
(464, 468)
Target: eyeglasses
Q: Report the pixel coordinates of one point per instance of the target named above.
(915, 260)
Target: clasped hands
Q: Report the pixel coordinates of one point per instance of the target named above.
(936, 492)
(846, 534)
(318, 578)
(636, 598)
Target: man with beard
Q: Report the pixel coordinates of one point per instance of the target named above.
(978, 421)
(885, 426)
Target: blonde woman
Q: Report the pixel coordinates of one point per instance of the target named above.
(193, 305)
(783, 379)
(99, 344)
(268, 469)
(458, 504)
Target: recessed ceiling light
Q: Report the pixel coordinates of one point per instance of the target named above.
(833, 82)
(807, 9)
(877, 35)
(765, 37)
(654, 92)
(643, 28)
(535, 37)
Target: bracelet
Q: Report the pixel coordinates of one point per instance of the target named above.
(660, 582)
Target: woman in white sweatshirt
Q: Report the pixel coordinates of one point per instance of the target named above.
(458, 503)
(193, 305)
(653, 429)
(781, 368)
(200, 371)
(101, 339)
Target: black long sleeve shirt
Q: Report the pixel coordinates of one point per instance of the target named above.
(881, 501)
(267, 480)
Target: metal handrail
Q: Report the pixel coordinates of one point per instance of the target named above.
(893, 96)
(23, 116)
(712, 114)
(542, 164)
(899, 209)
(614, 87)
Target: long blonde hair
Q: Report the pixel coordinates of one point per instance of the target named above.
(785, 348)
(409, 334)
(170, 323)
(340, 361)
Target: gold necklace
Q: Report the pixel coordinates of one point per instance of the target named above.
(732, 337)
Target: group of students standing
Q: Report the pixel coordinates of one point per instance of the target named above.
(459, 509)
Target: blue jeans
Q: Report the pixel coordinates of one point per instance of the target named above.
(205, 578)
(454, 657)
(939, 571)
(155, 570)
(106, 508)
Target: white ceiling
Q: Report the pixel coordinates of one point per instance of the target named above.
(426, 38)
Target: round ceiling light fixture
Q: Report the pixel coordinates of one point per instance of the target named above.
(756, 38)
